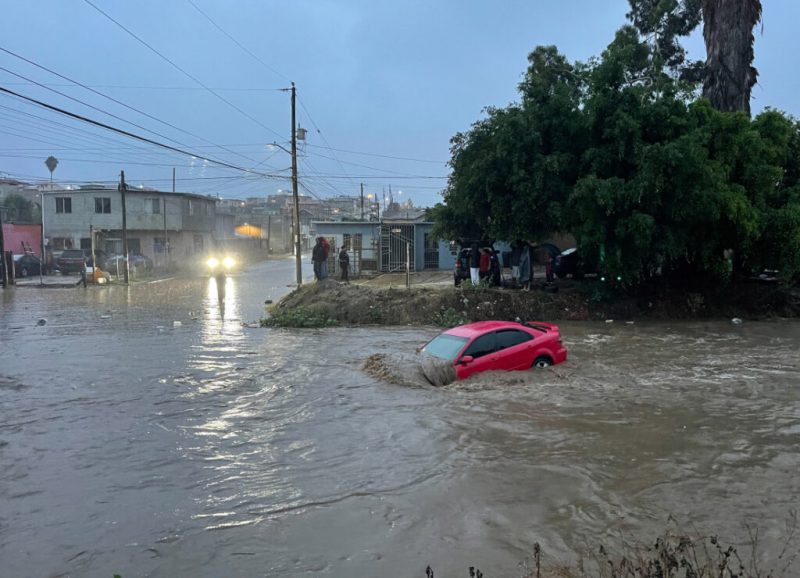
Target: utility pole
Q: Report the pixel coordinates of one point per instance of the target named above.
(362, 201)
(5, 276)
(43, 264)
(122, 188)
(297, 256)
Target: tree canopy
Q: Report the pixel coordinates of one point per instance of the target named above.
(654, 182)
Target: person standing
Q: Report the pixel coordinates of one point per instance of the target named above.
(344, 264)
(318, 257)
(516, 252)
(525, 267)
(474, 264)
(485, 264)
(326, 248)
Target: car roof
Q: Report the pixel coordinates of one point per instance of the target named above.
(472, 329)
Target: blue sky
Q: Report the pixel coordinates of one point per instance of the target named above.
(376, 79)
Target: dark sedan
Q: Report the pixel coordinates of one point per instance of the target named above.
(27, 264)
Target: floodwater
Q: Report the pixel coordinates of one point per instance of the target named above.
(145, 432)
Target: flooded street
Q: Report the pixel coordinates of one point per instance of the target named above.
(144, 431)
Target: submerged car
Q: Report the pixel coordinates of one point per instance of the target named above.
(498, 345)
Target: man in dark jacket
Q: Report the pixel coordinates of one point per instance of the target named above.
(344, 264)
(318, 257)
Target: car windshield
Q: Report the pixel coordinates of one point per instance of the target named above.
(445, 346)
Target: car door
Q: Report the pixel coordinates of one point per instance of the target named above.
(513, 349)
(482, 350)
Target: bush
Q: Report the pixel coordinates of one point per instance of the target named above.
(448, 318)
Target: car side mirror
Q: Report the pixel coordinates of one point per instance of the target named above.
(466, 359)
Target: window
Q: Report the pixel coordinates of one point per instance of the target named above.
(357, 240)
(154, 206)
(159, 246)
(346, 241)
(511, 337)
(445, 346)
(63, 204)
(483, 345)
(61, 243)
(102, 204)
(198, 243)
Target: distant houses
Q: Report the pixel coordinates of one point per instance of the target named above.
(177, 228)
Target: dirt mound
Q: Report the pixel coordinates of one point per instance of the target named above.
(352, 304)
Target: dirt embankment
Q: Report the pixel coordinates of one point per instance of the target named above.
(355, 304)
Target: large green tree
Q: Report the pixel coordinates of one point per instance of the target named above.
(512, 171)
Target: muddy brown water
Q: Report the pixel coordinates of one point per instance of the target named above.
(132, 444)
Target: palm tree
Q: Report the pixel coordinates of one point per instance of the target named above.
(728, 74)
(728, 34)
(52, 163)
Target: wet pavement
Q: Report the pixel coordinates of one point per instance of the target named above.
(150, 431)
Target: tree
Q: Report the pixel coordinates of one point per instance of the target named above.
(512, 170)
(728, 74)
(728, 34)
(52, 163)
(21, 210)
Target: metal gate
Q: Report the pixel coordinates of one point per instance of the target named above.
(431, 252)
(396, 240)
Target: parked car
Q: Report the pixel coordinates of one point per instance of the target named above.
(115, 264)
(461, 270)
(27, 264)
(74, 260)
(570, 262)
(498, 345)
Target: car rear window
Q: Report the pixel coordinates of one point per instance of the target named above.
(445, 346)
(72, 254)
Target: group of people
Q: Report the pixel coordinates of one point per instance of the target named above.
(319, 256)
(484, 265)
(521, 261)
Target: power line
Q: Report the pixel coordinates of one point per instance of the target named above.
(142, 87)
(220, 97)
(129, 134)
(150, 116)
(379, 155)
(86, 104)
(239, 44)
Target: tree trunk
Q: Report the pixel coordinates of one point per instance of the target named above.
(728, 33)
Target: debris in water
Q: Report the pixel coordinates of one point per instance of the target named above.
(41, 322)
(609, 321)
(176, 323)
(736, 321)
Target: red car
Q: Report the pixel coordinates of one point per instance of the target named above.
(498, 345)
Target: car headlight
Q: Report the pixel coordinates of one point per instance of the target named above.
(212, 262)
(228, 262)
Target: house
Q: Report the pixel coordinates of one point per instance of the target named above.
(161, 225)
(387, 245)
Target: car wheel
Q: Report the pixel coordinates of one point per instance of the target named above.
(542, 362)
(23, 272)
(457, 281)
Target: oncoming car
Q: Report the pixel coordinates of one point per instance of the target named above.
(498, 345)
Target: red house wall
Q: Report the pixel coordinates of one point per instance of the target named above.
(14, 235)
